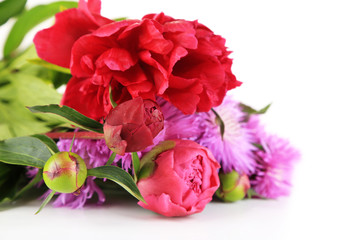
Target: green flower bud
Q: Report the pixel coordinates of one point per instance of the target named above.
(65, 172)
(233, 187)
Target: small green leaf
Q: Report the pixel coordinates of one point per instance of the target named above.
(249, 110)
(26, 151)
(29, 20)
(10, 8)
(220, 122)
(48, 65)
(46, 201)
(259, 146)
(118, 176)
(136, 165)
(113, 103)
(48, 141)
(251, 194)
(147, 163)
(71, 115)
(111, 159)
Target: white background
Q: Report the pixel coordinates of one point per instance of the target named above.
(302, 56)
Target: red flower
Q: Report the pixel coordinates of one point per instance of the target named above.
(132, 125)
(199, 67)
(54, 44)
(183, 182)
(181, 61)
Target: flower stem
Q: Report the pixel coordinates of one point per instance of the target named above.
(70, 135)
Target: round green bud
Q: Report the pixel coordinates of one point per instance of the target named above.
(233, 187)
(65, 172)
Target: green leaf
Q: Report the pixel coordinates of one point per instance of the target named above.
(26, 151)
(252, 194)
(17, 91)
(259, 146)
(220, 122)
(48, 141)
(113, 103)
(249, 110)
(10, 8)
(29, 20)
(17, 193)
(71, 115)
(11, 177)
(48, 65)
(136, 165)
(111, 159)
(46, 201)
(118, 176)
(147, 163)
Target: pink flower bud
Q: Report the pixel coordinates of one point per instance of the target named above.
(132, 125)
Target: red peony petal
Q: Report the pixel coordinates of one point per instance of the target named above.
(81, 95)
(160, 75)
(131, 76)
(184, 101)
(81, 48)
(54, 44)
(152, 39)
(116, 59)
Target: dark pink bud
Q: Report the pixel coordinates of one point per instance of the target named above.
(132, 125)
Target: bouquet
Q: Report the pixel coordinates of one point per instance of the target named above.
(144, 104)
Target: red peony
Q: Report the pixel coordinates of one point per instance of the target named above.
(182, 61)
(132, 125)
(183, 182)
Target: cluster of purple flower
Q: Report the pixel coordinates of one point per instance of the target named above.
(243, 146)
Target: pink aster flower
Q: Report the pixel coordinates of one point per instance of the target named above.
(275, 161)
(233, 150)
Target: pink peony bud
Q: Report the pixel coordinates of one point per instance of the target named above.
(183, 180)
(233, 186)
(132, 125)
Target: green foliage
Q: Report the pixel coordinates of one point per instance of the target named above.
(25, 151)
(48, 65)
(249, 110)
(118, 176)
(46, 201)
(136, 165)
(29, 20)
(147, 163)
(111, 159)
(23, 84)
(220, 122)
(71, 115)
(10, 8)
(49, 142)
(11, 178)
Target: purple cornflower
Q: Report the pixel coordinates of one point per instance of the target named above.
(275, 160)
(233, 150)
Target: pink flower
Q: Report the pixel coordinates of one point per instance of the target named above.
(275, 163)
(183, 182)
(132, 125)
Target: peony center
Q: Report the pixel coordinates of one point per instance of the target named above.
(193, 175)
